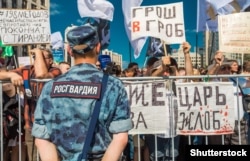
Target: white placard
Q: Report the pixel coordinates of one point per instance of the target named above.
(24, 60)
(24, 26)
(205, 108)
(234, 32)
(149, 107)
(160, 21)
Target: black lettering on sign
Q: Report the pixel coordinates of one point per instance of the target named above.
(135, 10)
(160, 12)
(170, 30)
(137, 93)
(203, 121)
(199, 99)
(141, 120)
(220, 98)
(183, 98)
(21, 14)
(132, 117)
(134, 93)
(156, 94)
(148, 10)
(207, 93)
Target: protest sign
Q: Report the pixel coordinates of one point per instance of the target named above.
(234, 32)
(58, 55)
(165, 22)
(149, 107)
(24, 26)
(205, 108)
(209, 10)
(23, 61)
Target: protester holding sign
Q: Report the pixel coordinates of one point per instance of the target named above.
(167, 66)
(231, 67)
(42, 68)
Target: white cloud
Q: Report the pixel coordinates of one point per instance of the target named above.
(55, 9)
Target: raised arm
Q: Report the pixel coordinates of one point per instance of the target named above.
(43, 61)
(188, 63)
(218, 58)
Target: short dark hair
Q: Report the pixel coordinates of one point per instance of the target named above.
(131, 64)
(151, 61)
(173, 62)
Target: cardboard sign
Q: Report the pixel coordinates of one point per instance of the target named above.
(24, 26)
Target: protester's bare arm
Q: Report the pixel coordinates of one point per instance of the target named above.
(15, 78)
(188, 63)
(47, 150)
(116, 147)
(218, 58)
(40, 66)
(27, 120)
(159, 72)
(9, 89)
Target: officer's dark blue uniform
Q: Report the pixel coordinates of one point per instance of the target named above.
(65, 107)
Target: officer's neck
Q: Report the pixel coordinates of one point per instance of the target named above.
(85, 60)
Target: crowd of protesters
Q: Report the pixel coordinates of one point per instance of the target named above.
(155, 66)
(167, 66)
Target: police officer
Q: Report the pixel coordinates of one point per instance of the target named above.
(65, 106)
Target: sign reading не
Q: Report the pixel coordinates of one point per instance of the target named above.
(24, 26)
(165, 22)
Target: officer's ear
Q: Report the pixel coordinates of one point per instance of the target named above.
(98, 48)
(69, 50)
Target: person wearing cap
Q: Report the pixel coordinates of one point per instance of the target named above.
(64, 110)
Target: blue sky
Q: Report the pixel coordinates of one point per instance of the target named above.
(65, 12)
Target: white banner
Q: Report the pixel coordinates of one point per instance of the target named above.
(234, 33)
(165, 22)
(24, 26)
(205, 108)
(96, 8)
(218, 4)
(149, 107)
(137, 44)
(208, 11)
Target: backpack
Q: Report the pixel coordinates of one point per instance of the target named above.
(11, 118)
